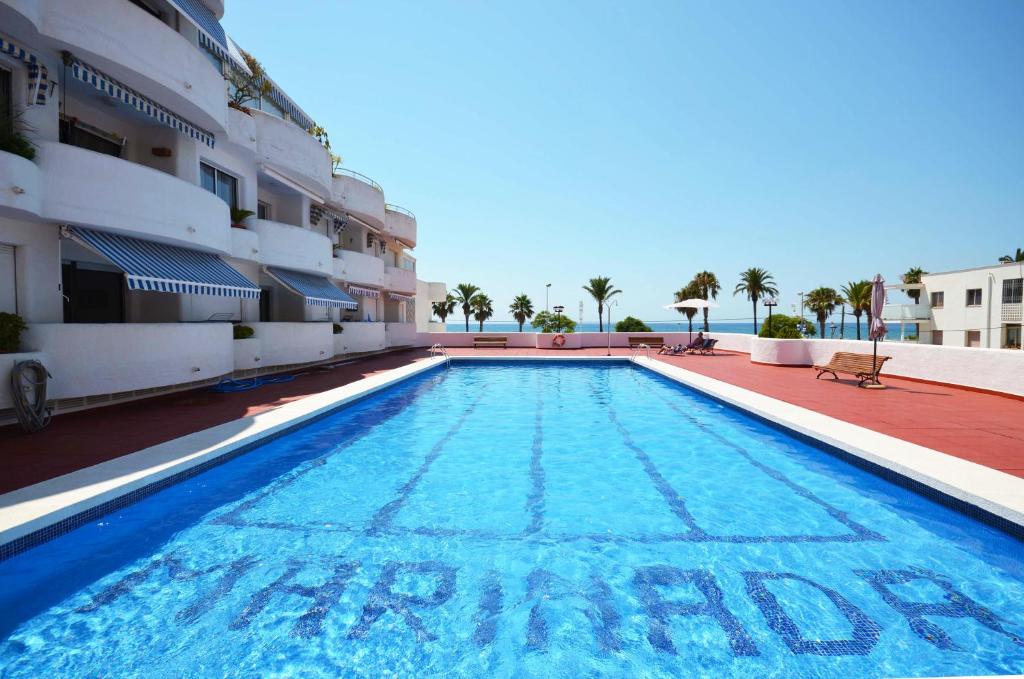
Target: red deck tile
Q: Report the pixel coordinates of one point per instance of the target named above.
(983, 428)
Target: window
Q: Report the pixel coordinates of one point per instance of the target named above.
(1011, 336)
(937, 337)
(8, 280)
(974, 297)
(938, 298)
(1013, 290)
(263, 210)
(219, 182)
(974, 338)
(77, 133)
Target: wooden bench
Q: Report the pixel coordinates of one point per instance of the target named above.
(862, 366)
(652, 342)
(490, 342)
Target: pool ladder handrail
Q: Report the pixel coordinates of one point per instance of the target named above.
(438, 348)
(641, 347)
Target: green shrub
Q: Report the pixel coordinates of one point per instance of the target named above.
(243, 331)
(785, 327)
(11, 327)
(545, 321)
(630, 324)
(338, 329)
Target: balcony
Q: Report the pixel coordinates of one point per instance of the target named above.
(401, 280)
(241, 132)
(21, 187)
(293, 343)
(359, 337)
(911, 313)
(360, 196)
(359, 268)
(142, 52)
(93, 189)
(399, 223)
(291, 153)
(91, 359)
(292, 247)
(1014, 313)
(399, 334)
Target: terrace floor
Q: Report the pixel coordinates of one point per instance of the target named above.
(983, 428)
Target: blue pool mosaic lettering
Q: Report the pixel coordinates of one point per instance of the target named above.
(510, 520)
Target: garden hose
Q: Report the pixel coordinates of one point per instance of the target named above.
(26, 377)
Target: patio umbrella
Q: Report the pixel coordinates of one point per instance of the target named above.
(692, 304)
(877, 330)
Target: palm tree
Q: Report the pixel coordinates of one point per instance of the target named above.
(483, 308)
(858, 296)
(601, 290)
(822, 301)
(444, 308)
(913, 275)
(842, 317)
(756, 283)
(464, 295)
(689, 291)
(707, 287)
(522, 309)
(1010, 259)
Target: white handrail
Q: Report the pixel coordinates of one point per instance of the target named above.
(638, 348)
(438, 348)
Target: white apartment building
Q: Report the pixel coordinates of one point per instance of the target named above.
(979, 307)
(117, 246)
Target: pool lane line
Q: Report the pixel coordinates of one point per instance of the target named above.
(859, 530)
(383, 517)
(535, 501)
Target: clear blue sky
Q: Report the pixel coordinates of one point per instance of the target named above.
(541, 141)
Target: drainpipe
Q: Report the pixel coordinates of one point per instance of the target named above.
(988, 311)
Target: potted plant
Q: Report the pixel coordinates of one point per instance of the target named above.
(242, 332)
(338, 329)
(11, 327)
(337, 247)
(238, 216)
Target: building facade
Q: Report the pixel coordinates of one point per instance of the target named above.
(979, 307)
(143, 218)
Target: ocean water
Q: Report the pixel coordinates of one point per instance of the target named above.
(746, 328)
(523, 521)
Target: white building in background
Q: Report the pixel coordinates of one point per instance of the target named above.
(979, 307)
(117, 242)
(426, 295)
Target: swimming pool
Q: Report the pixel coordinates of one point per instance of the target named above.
(523, 520)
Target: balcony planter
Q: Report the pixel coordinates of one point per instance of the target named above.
(11, 327)
(238, 216)
(337, 248)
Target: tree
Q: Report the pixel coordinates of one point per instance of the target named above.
(547, 321)
(708, 287)
(1010, 259)
(463, 295)
(756, 283)
(842, 317)
(601, 290)
(444, 308)
(483, 308)
(689, 291)
(630, 324)
(858, 296)
(822, 301)
(247, 87)
(781, 326)
(522, 309)
(913, 275)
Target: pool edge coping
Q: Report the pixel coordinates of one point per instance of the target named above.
(42, 511)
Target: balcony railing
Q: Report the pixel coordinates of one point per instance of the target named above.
(399, 210)
(361, 177)
(906, 312)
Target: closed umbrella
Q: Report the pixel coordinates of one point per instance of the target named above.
(692, 304)
(877, 330)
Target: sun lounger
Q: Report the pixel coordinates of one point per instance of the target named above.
(672, 351)
(864, 367)
(705, 347)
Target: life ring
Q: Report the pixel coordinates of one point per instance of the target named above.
(558, 341)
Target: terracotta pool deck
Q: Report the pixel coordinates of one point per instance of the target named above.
(984, 428)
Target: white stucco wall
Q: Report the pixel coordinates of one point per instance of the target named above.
(359, 268)
(288, 149)
(400, 225)
(401, 280)
(359, 337)
(37, 269)
(286, 343)
(21, 187)
(351, 194)
(400, 334)
(292, 247)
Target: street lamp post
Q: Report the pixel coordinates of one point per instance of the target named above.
(547, 295)
(610, 305)
(558, 314)
(770, 302)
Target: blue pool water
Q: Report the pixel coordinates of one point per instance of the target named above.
(503, 520)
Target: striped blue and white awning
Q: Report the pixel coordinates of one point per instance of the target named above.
(400, 298)
(39, 85)
(317, 290)
(211, 33)
(148, 265)
(364, 292)
(126, 95)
